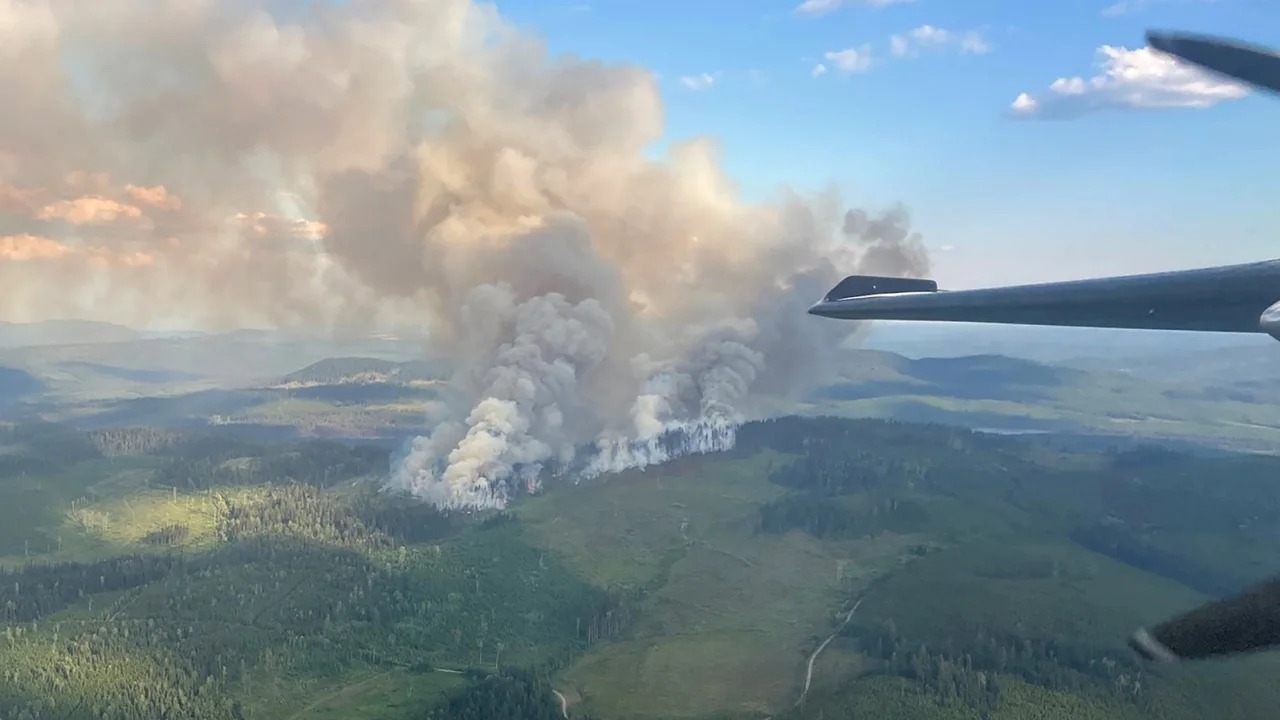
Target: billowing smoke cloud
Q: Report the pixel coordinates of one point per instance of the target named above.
(206, 162)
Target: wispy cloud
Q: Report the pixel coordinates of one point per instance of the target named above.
(910, 44)
(702, 81)
(847, 61)
(1128, 79)
(822, 7)
(929, 37)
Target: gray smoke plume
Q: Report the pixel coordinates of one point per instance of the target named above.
(357, 165)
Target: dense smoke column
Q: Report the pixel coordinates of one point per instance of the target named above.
(528, 384)
(380, 162)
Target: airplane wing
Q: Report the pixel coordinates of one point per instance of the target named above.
(1232, 299)
(1245, 623)
(1253, 64)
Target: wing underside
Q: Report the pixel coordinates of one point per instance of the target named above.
(1253, 64)
(1222, 299)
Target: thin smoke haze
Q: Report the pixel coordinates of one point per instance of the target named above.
(203, 161)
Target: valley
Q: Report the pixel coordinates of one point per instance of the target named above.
(161, 559)
(235, 579)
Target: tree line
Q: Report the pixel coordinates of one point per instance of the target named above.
(513, 694)
(366, 520)
(830, 518)
(317, 462)
(177, 637)
(964, 670)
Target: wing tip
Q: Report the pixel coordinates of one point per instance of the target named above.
(1161, 40)
(1151, 649)
(855, 286)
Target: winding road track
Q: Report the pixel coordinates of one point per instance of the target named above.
(808, 673)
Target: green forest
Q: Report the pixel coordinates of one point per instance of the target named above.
(160, 573)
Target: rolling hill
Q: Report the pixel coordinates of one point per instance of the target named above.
(1238, 364)
(364, 371)
(1016, 395)
(17, 385)
(977, 377)
(371, 396)
(147, 366)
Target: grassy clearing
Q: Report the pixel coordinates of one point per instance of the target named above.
(287, 411)
(380, 694)
(125, 521)
(1054, 590)
(33, 507)
(1037, 589)
(87, 531)
(309, 415)
(730, 615)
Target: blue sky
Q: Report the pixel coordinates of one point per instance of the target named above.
(1059, 193)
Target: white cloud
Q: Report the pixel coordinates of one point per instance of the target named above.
(1129, 79)
(926, 38)
(703, 81)
(929, 37)
(822, 7)
(847, 61)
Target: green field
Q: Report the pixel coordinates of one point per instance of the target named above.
(947, 602)
(729, 613)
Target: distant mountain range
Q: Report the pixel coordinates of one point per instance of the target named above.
(355, 396)
(1142, 383)
(78, 360)
(63, 332)
(258, 355)
(874, 374)
(1240, 365)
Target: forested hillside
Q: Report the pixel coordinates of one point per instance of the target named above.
(183, 571)
(943, 573)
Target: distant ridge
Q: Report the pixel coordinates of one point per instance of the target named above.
(363, 370)
(1043, 344)
(63, 332)
(875, 373)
